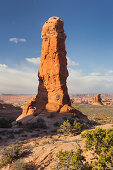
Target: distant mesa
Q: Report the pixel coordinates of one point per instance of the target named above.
(52, 90)
(98, 100)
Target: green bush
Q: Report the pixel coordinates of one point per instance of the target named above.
(5, 123)
(71, 127)
(101, 142)
(99, 139)
(71, 160)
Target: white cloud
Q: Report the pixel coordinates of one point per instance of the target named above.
(24, 79)
(95, 74)
(35, 61)
(18, 82)
(3, 67)
(109, 72)
(22, 40)
(91, 83)
(16, 40)
(71, 63)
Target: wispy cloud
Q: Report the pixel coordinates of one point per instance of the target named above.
(35, 61)
(16, 40)
(23, 79)
(18, 81)
(109, 72)
(95, 74)
(71, 63)
(78, 82)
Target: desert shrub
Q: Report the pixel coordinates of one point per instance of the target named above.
(11, 153)
(39, 124)
(101, 142)
(36, 144)
(56, 124)
(99, 139)
(71, 127)
(65, 118)
(5, 123)
(45, 143)
(20, 165)
(71, 160)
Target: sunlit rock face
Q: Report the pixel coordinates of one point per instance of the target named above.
(52, 90)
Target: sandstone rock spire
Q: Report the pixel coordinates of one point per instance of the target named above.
(52, 90)
(98, 100)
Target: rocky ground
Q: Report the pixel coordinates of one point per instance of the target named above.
(45, 142)
(44, 149)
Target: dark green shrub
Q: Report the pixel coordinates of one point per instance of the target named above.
(101, 142)
(71, 160)
(65, 127)
(5, 123)
(99, 139)
(73, 128)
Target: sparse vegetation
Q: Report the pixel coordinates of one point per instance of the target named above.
(39, 124)
(11, 153)
(101, 114)
(20, 165)
(45, 143)
(71, 160)
(36, 144)
(101, 142)
(71, 126)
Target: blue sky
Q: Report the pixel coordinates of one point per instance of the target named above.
(88, 25)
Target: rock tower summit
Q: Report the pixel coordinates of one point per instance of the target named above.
(53, 73)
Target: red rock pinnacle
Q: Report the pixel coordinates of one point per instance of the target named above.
(52, 90)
